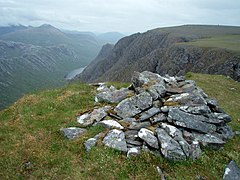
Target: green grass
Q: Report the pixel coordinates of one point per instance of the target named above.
(229, 42)
(29, 132)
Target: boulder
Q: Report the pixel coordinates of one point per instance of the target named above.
(148, 137)
(115, 139)
(73, 132)
(209, 140)
(134, 105)
(90, 143)
(232, 172)
(133, 152)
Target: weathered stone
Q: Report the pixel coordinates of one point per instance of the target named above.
(225, 132)
(158, 118)
(165, 109)
(90, 143)
(134, 105)
(146, 78)
(129, 120)
(188, 87)
(162, 177)
(113, 96)
(209, 140)
(199, 110)
(223, 116)
(115, 139)
(232, 172)
(134, 142)
(157, 104)
(174, 90)
(111, 124)
(137, 125)
(102, 87)
(133, 152)
(95, 116)
(169, 147)
(195, 150)
(191, 121)
(157, 91)
(176, 134)
(149, 113)
(73, 132)
(148, 137)
(131, 134)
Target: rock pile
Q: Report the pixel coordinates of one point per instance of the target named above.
(169, 116)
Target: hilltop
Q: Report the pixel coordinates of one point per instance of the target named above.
(173, 51)
(32, 146)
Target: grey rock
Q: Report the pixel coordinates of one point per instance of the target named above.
(129, 120)
(209, 140)
(113, 96)
(195, 150)
(131, 134)
(199, 110)
(225, 132)
(165, 109)
(134, 142)
(162, 177)
(188, 87)
(73, 132)
(237, 133)
(169, 147)
(133, 152)
(90, 143)
(139, 125)
(176, 134)
(102, 87)
(195, 122)
(115, 139)
(157, 91)
(146, 78)
(232, 172)
(111, 124)
(157, 104)
(158, 118)
(223, 116)
(148, 137)
(134, 105)
(96, 115)
(149, 113)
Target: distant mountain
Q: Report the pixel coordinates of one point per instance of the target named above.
(8, 29)
(173, 51)
(110, 37)
(33, 58)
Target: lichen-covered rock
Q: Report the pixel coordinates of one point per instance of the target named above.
(195, 122)
(134, 105)
(149, 113)
(148, 137)
(169, 147)
(115, 139)
(91, 142)
(96, 115)
(133, 152)
(115, 96)
(73, 132)
(232, 172)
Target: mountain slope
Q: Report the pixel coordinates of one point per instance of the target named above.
(167, 50)
(34, 58)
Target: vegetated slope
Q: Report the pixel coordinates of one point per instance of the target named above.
(31, 146)
(33, 58)
(167, 51)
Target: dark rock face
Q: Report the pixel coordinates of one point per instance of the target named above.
(177, 124)
(73, 132)
(162, 51)
(232, 172)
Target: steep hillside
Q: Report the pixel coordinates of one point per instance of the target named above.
(33, 58)
(168, 50)
(31, 146)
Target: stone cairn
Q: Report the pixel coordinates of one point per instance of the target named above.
(168, 116)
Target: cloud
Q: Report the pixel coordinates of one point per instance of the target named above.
(119, 15)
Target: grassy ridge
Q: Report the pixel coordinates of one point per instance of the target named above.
(29, 132)
(229, 42)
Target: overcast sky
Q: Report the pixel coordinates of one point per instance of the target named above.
(127, 16)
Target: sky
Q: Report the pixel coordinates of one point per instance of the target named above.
(126, 16)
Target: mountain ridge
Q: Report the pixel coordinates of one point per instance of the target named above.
(165, 51)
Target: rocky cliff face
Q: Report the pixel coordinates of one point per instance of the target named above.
(164, 51)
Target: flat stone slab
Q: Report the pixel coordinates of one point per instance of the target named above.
(134, 105)
(73, 132)
(148, 137)
(116, 139)
(195, 122)
(111, 124)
